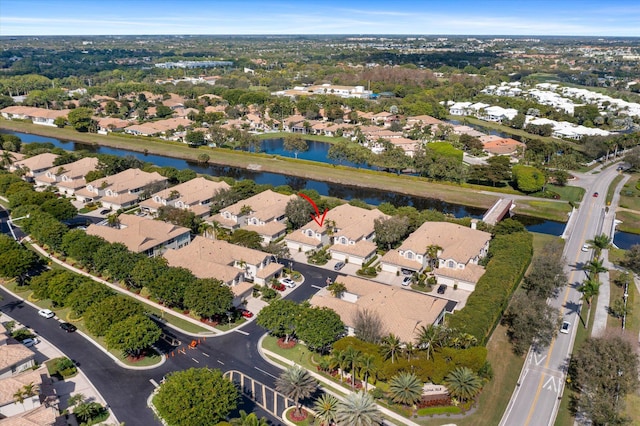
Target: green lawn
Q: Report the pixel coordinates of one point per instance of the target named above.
(630, 195)
(568, 193)
(630, 221)
(551, 210)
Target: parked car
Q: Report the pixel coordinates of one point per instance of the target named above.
(105, 211)
(288, 282)
(595, 194)
(406, 281)
(68, 327)
(442, 288)
(30, 342)
(245, 313)
(46, 313)
(585, 247)
(406, 271)
(278, 286)
(565, 327)
(338, 266)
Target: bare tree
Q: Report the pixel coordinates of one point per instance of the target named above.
(368, 326)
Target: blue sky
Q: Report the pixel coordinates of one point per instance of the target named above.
(499, 17)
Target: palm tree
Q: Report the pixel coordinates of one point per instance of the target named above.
(353, 357)
(405, 388)
(409, 350)
(338, 360)
(336, 288)
(599, 243)
(468, 340)
(206, 229)
(368, 368)
(589, 288)
(87, 410)
(249, 420)
(463, 383)
(595, 267)
(7, 159)
(25, 392)
(428, 339)
(432, 254)
(391, 345)
(113, 221)
(358, 409)
(296, 383)
(325, 408)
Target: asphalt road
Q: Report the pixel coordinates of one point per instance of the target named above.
(126, 391)
(537, 396)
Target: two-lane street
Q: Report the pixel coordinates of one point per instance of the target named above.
(537, 396)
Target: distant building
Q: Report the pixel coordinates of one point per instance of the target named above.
(194, 64)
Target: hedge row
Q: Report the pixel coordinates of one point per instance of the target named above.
(510, 256)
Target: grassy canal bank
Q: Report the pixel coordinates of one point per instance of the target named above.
(465, 194)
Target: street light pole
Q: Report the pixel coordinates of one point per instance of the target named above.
(10, 224)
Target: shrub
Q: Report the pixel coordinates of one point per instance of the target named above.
(510, 256)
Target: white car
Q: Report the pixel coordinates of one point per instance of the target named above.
(586, 247)
(30, 342)
(564, 329)
(288, 282)
(46, 313)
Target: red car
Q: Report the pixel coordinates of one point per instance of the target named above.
(278, 286)
(246, 314)
(595, 194)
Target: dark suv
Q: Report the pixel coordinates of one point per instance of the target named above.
(442, 288)
(68, 327)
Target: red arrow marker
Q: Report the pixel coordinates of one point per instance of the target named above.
(316, 217)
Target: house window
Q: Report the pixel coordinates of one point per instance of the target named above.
(343, 240)
(309, 233)
(409, 255)
(451, 264)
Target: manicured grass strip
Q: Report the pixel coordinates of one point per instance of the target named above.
(430, 411)
(630, 221)
(568, 193)
(612, 188)
(551, 210)
(630, 194)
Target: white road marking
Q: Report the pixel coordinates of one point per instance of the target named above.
(220, 362)
(262, 371)
(537, 360)
(154, 383)
(550, 384)
(318, 287)
(205, 354)
(242, 332)
(195, 360)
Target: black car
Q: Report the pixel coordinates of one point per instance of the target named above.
(105, 211)
(68, 327)
(442, 288)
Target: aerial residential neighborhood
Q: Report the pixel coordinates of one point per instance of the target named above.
(359, 214)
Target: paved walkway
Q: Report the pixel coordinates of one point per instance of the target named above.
(65, 388)
(602, 306)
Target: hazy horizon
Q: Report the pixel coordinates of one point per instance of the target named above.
(589, 18)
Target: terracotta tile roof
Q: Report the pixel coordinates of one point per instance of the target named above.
(37, 162)
(221, 252)
(266, 206)
(192, 192)
(137, 233)
(401, 311)
(10, 385)
(115, 123)
(392, 257)
(76, 170)
(269, 270)
(269, 229)
(299, 237)
(16, 155)
(503, 146)
(362, 248)
(123, 182)
(351, 222)
(35, 112)
(471, 273)
(458, 242)
(41, 416)
(425, 120)
(201, 266)
(151, 128)
(14, 354)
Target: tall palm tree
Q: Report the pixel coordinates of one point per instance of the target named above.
(405, 388)
(353, 356)
(326, 409)
(428, 339)
(338, 360)
(296, 383)
(589, 288)
(599, 243)
(113, 221)
(463, 383)
(358, 409)
(368, 368)
(391, 345)
(595, 267)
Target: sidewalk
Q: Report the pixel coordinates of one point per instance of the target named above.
(601, 313)
(66, 388)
